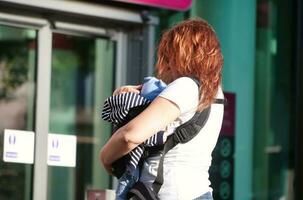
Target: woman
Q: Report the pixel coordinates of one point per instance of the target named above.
(188, 50)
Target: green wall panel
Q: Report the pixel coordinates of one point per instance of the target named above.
(234, 22)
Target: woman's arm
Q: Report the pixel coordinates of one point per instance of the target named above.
(154, 118)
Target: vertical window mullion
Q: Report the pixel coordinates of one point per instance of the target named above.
(42, 112)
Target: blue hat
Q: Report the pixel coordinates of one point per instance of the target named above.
(152, 87)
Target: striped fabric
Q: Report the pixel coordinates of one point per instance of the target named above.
(116, 108)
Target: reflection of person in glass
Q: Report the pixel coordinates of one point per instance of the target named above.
(189, 49)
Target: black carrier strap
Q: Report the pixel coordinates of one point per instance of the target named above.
(183, 134)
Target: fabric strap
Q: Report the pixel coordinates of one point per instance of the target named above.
(183, 134)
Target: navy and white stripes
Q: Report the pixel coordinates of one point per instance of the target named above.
(135, 156)
(155, 140)
(116, 108)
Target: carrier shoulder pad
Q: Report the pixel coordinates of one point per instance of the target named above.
(191, 128)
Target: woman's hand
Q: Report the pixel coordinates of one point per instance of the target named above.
(128, 88)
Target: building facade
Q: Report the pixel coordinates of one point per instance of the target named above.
(60, 59)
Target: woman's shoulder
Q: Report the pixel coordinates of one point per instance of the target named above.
(184, 92)
(185, 85)
(188, 81)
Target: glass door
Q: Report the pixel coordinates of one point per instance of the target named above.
(65, 100)
(82, 76)
(17, 105)
(55, 74)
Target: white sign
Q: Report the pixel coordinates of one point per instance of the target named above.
(18, 146)
(61, 150)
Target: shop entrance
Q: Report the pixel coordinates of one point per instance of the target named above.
(80, 76)
(54, 77)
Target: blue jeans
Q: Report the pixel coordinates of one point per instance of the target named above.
(126, 182)
(206, 196)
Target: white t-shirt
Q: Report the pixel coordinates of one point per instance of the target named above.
(185, 168)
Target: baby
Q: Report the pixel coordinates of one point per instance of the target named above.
(120, 109)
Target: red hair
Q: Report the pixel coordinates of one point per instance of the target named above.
(192, 49)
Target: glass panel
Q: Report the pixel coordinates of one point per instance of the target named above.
(273, 144)
(82, 77)
(17, 102)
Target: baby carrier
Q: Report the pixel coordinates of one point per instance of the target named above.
(182, 134)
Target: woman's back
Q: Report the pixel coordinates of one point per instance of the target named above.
(185, 168)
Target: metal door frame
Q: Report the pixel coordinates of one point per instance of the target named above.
(45, 28)
(298, 105)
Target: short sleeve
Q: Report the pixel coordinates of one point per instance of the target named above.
(183, 92)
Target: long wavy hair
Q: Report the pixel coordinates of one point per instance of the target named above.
(191, 48)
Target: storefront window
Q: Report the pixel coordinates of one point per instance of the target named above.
(17, 103)
(82, 77)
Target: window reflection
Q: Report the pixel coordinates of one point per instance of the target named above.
(82, 76)
(17, 92)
